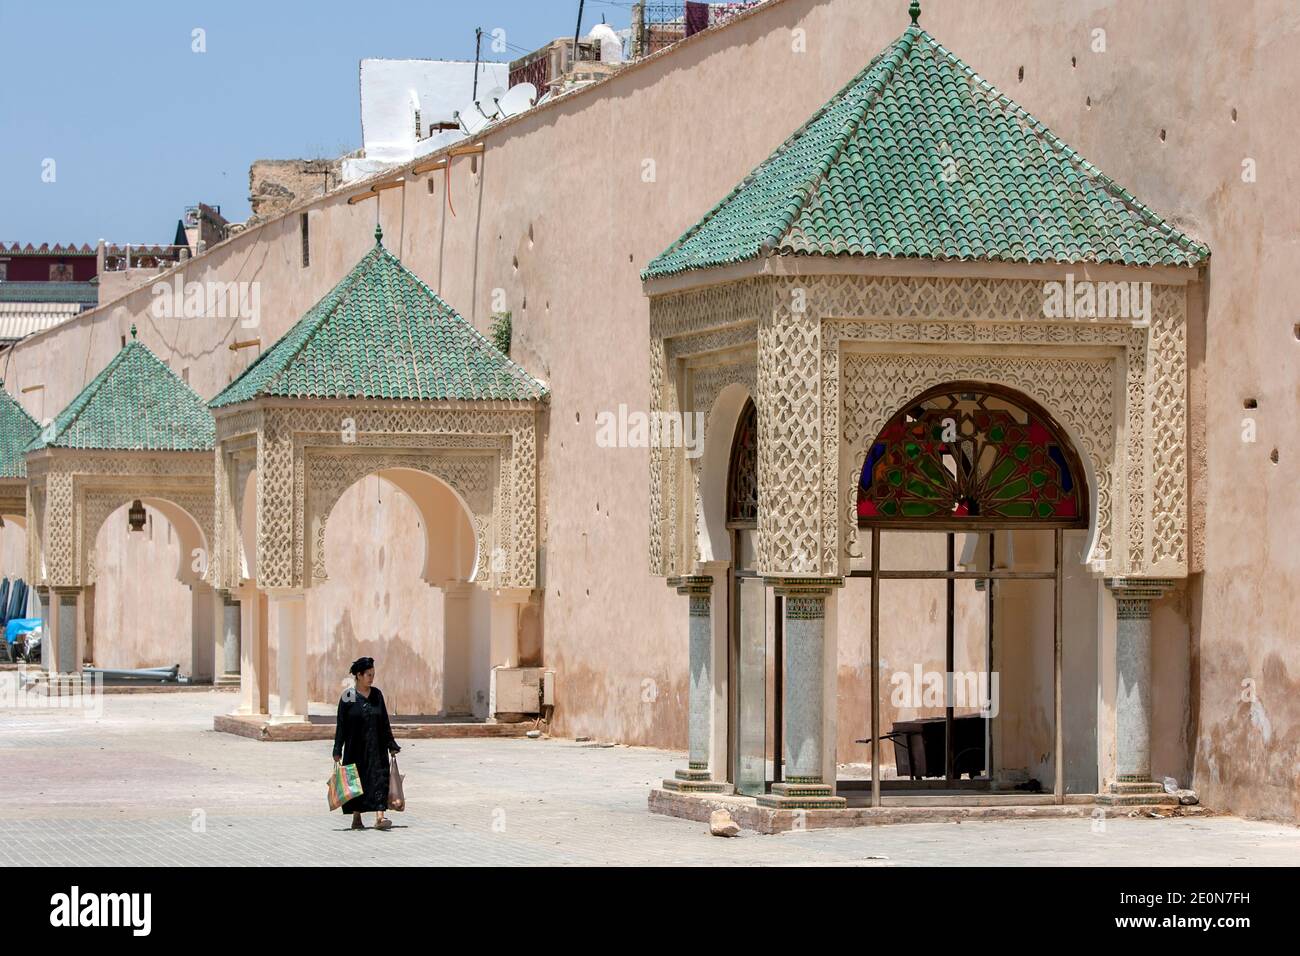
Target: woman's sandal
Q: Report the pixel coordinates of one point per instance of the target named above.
(384, 824)
(357, 824)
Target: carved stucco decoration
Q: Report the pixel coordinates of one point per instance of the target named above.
(71, 494)
(472, 477)
(837, 355)
(13, 497)
(306, 456)
(737, 367)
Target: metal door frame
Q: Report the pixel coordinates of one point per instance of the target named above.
(951, 576)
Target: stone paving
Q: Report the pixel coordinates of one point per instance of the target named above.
(148, 782)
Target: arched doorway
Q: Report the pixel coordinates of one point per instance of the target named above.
(754, 645)
(125, 598)
(399, 554)
(990, 464)
(427, 393)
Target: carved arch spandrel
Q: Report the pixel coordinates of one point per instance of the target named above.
(804, 325)
(287, 437)
(71, 494)
(1079, 391)
(180, 507)
(471, 477)
(708, 382)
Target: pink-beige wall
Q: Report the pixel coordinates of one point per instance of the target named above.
(142, 615)
(374, 603)
(559, 216)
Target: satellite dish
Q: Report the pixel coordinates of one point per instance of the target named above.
(490, 98)
(471, 119)
(517, 99)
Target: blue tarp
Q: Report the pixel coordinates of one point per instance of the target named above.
(13, 602)
(19, 626)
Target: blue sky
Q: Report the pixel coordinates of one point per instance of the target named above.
(140, 126)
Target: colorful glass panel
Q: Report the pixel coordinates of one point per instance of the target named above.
(742, 482)
(971, 455)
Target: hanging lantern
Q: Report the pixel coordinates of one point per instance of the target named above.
(135, 516)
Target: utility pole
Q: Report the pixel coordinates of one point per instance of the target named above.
(478, 45)
(577, 30)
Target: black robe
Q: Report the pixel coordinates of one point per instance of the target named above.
(364, 737)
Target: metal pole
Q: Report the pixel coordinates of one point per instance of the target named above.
(950, 658)
(875, 667)
(577, 30)
(988, 668)
(778, 694)
(1057, 699)
(478, 45)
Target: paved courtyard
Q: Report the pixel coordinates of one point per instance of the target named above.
(149, 782)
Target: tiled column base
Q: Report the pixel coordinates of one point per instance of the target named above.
(694, 780)
(802, 796)
(1136, 794)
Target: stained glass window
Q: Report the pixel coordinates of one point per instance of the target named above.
(742, 480)
(970, 454)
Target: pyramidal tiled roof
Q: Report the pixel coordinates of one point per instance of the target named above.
(17, 430)
(918, 157)
(381, 333)
(135, 404)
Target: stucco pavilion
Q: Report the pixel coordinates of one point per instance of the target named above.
(871, 323)
(17, 430)
(381, 377)
(136, 435)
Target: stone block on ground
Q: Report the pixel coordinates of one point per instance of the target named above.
(722, 825)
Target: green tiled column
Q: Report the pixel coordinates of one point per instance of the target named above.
(696, 778)
(1133, 784)
(803, 703)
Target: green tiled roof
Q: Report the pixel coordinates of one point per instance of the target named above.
(17, 430)
(381, 333)
(918, 157)
(135, 404)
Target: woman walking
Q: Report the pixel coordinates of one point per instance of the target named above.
(365, 738)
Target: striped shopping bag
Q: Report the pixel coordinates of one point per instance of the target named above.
(344, 784)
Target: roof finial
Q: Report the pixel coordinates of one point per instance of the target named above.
(379, 234)
(133, 331)
(914, 8)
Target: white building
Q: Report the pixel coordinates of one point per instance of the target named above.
(408, 108)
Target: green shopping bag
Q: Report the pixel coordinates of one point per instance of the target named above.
(344, 784)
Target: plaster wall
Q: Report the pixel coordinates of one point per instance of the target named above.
(570, 201)
(13, 551)
(367, 563)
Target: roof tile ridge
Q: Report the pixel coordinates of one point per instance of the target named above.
(82, 401)
(390, 279)
(14, 403)
(890, 58)
(1116, 191)
(325, 308)
(780, 150)
(451, 313)
(156, 362)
